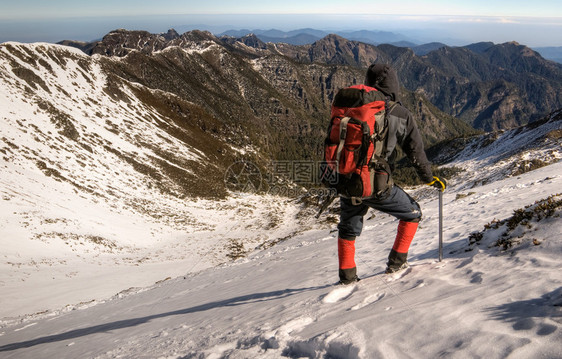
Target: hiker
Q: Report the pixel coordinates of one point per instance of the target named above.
(402, 131)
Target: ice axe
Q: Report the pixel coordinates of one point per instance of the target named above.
(440, 184)
(329, 199)
(440, 225)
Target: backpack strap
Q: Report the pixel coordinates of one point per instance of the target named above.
(343, 132)
(381, 129)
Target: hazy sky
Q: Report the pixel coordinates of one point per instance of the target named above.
(534, 23)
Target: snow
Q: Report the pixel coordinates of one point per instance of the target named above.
(86, 276)
(282, 302)
(497, 155)
(62, 239)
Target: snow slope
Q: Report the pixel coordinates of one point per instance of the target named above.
(281, 302)
(97, 264)
(80, 216)
(501, 154)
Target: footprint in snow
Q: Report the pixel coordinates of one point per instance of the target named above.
(369, 300)
(340, 293)
(294, 325)
(420, 283)
(395, 276)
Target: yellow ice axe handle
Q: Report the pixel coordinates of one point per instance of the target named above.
(438, 183)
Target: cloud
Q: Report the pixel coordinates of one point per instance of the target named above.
(507, 21)
(483, 19)
(465, 20)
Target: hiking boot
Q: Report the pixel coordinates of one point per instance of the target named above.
(394, 269)
(348, 276)
(349, 281)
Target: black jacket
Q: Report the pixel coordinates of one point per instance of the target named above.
(403, 131)
(402, 128)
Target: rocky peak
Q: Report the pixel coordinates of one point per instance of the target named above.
(120, 42)
(171, 35)
(198, 36)
(253, 41)
(480, 47)
(332, 39)
(334, 49)
(523, 60)
(250, 40)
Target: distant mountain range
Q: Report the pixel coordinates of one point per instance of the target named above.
(490, 86)
(553, 53)
(309, 36)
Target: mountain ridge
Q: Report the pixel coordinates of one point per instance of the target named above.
(252, 49)
(177, 90)
(486, 85)
(221, 84)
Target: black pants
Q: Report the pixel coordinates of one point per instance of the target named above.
(398, 204)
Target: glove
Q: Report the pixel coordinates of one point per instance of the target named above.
(439, 183)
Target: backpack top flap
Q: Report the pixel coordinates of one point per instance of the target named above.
(359, 101)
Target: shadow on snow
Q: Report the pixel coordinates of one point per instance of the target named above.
(127, 323)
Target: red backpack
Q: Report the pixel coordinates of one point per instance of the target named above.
(352, 164)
